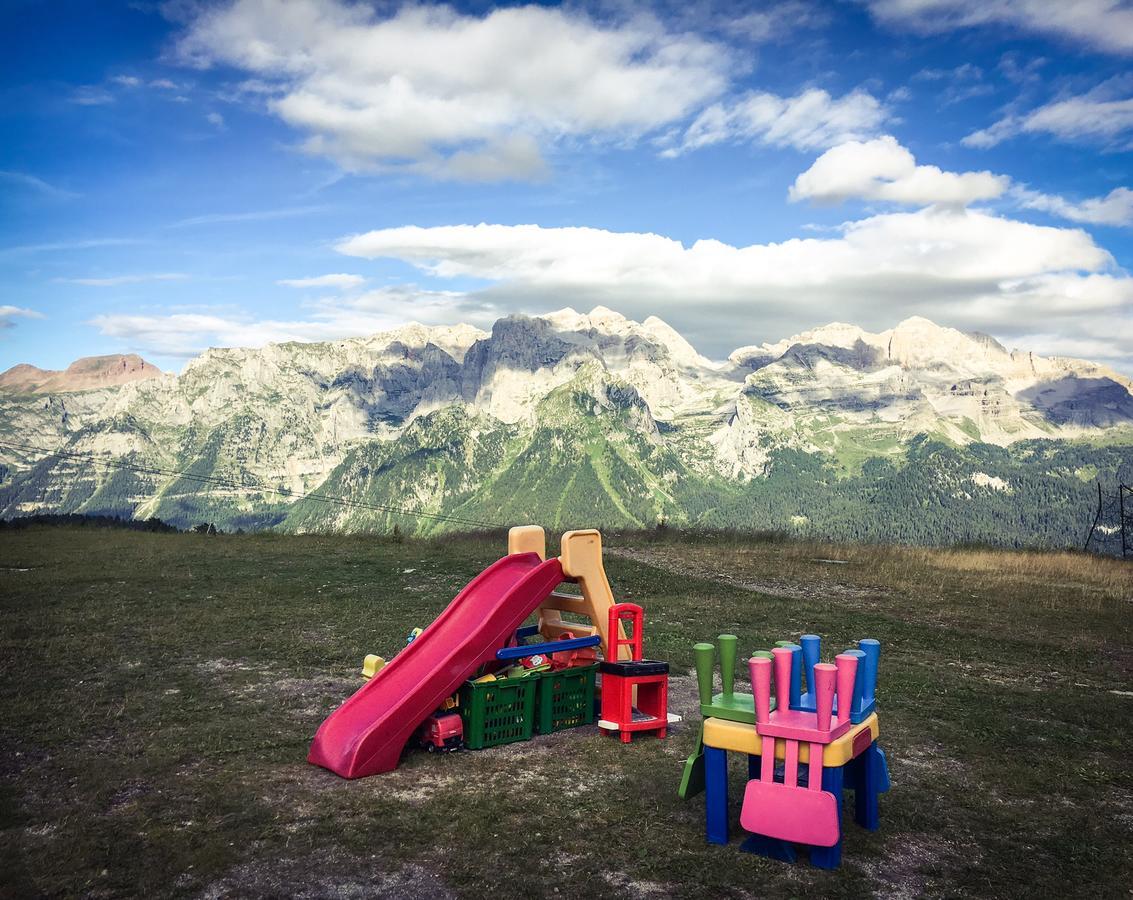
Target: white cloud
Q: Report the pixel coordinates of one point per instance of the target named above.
(1089, 117)
(91, 95)
(882, 169)
(128, 81)
(1115, 208)
(8, 313)
(337, 280)
(963, 72)
(256, 215)
(187, 334)
(1105, 25)
(216, 120)
(116, 280)
(431, 90)
(964, 267)
(31, 182)
(811, 120)
(55, 246)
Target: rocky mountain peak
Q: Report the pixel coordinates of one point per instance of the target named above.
(86, 374)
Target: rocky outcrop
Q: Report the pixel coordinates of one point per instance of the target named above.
(90, 373)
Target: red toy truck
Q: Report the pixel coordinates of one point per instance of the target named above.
(442, 732)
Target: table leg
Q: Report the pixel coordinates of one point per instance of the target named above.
(716, 795)
(830, 857)
(865, 796)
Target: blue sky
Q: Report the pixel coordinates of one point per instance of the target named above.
(181, 175)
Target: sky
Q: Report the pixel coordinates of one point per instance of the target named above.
(180, 175)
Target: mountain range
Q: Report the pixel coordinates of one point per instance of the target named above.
(920, 433)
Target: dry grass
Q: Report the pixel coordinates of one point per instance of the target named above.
(1055, 579)
(1111, 579)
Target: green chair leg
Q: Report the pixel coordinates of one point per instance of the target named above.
(692, 781)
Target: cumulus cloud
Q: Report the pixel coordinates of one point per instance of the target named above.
(8, 313)
(963, 267)
(1115, 208)
(882, 169)
(338, 280)
(117, 280)
(186, 334)
(1105, 25)
(1089, 117)
(811, 120)
(431, 90)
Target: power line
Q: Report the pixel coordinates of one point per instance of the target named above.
(216, 481)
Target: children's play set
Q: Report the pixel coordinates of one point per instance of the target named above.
(478, 677)
(831, 727)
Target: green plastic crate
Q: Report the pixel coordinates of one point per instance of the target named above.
(497, 712)
(566, 699)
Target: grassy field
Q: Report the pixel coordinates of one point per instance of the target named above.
(160, 692)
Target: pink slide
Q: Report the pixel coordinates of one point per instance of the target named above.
(366, 734)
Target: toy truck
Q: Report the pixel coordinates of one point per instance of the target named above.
(441, 732)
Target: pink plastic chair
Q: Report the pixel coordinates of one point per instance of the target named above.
(786, 810)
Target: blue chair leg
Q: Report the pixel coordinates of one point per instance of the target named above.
(715, 795)
(866, 811)
(772, 848)
(882, 770)
(830, 857)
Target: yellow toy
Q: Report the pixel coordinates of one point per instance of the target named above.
(372, 665)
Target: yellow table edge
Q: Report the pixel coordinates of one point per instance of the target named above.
(740, 737)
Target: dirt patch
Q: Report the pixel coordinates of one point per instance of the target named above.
(911, 864)
(779, 587)
(927, 763)
(126, 796)
(326, 874)
(627, 887)
(303, 698)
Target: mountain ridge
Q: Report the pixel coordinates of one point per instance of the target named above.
(583, 417)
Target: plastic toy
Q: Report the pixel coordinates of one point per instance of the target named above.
(622, 679)
(728, 704)
(784, 809)
(781, 813)
(868, 654)
(442, 732)
(372, 665)
(367, 733)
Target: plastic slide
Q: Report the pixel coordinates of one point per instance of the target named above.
(366, 734)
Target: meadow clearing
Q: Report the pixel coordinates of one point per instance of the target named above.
(160, 692)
